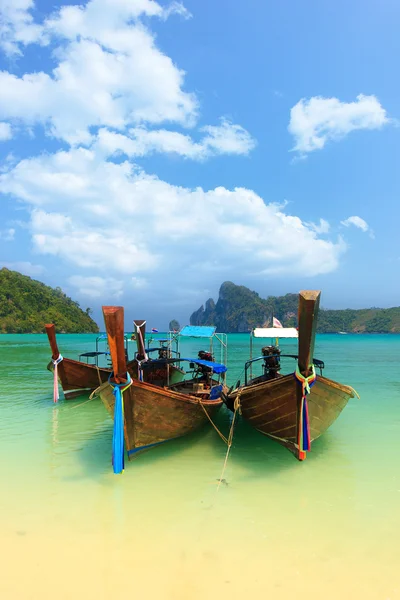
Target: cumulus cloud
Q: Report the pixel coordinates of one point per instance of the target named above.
(97, 287)
(120, 216)
(318, 120)
(17, 26)
(113, 91)
(110, 73)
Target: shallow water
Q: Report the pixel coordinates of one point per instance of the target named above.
(325, 528)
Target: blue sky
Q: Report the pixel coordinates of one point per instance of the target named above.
(151, 151)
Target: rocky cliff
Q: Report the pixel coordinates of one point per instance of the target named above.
(239, 309)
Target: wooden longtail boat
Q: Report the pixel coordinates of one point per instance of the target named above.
(151, 414)
(78, 377)
(282, 407)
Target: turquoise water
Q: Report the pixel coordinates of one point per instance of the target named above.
(324, 528)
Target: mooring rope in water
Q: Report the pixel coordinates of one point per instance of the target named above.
(237, 409)
(56, 362)
(91, 397)
(221, 435)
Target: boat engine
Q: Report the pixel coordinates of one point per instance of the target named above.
(205, 372)
(203, 355)
(272, 361)
(163, 352)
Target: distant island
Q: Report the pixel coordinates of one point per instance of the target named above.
(27, 305)
(174, 325)
(239, 309)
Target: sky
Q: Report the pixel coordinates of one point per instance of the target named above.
(152, 150)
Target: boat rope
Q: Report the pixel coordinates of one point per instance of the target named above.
(95, 392)
(221, 435)
(303, 425)
(230, 437)
(91, 397)
(98, 374)
(140, 370)
(139, 362)
(118, 446)
(56, 362)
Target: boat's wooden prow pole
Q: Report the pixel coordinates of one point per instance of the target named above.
(51, 334)
(140, 332)
(307, 317)
(114, 322)
(308, 313)
(55, 354)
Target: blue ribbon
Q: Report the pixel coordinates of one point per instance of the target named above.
(306, 436)
(118, 442)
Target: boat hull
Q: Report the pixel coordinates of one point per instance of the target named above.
(271, 407)
(154, 415)
(77, 378)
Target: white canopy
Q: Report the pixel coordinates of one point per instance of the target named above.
(275, 332)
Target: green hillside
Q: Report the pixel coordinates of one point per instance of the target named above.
(239, 309)
(27, 305)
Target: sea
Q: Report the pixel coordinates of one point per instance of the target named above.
(326, 528)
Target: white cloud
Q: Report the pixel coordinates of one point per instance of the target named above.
(110, 76)
(97, 287)
(318, 120)
(24, 267)
(120, 217)
(7, 234)
(110, 73)
(17, 25)
(359, 223)
(176, 8)
(321, 227)
(226, 138)
(5, 132)
(114, 91)
(91, 248)
(18, 29)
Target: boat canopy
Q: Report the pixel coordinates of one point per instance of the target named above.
(200, 331)
(275, 332)
(216, 367)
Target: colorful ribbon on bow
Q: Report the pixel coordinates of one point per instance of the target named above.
(303, 427)
(56, 362)
(118, 446)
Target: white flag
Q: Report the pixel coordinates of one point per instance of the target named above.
(276, 323)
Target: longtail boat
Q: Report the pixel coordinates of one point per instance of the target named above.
(78, 377)
(297, 408)
(146, 415)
